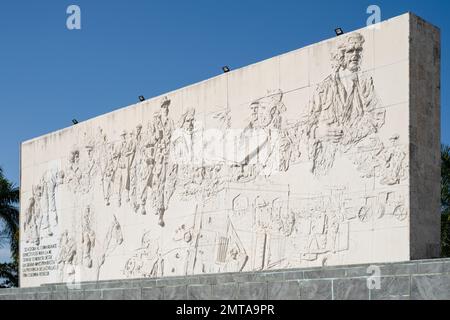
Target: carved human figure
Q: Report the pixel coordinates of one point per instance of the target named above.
(261, 137)
(33, 217)
(104, 154)
(162, 132)
(134, 163)
(393, 162)
(388, 163)
(146, 166)
(49, 215)
(110, 168)
(74, 172)
(67, 256)
(344, 108)
(87, 238)
(121, 173)
(88, 170)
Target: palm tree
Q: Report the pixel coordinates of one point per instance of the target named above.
(445, 201)
(9, 217)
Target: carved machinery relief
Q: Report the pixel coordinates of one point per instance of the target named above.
(147, 171)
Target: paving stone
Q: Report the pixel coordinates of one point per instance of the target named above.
(283, 290)
(316, 289)
(199, 292)
(132, 294)
(175, 293)
(350, 289)
(225, 291)
(293, 275)
(93, 294)
(252, 291)
(60, 295)
(392, 288)
(75, 295)
(432, 267)
(430, 287)
(398, 269)
(112, 294)
(153, 293)
(44, 295)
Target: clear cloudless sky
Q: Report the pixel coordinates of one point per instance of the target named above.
(50, 75)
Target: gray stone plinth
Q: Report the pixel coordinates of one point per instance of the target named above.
(412, 280)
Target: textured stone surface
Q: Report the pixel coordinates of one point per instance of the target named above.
(225, 291)
(316, 290)
(432, 287)
(112, 294)
(199, 292)
(175, 293)
(75, 295)
(252, 291)
(132, 294)
(92, 295)
(350, 289)
(392, 288)
(155, 293)
(283, 290)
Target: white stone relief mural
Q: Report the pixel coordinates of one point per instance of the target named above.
(175, 195)
(344, 109)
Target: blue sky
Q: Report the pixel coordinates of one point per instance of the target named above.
(50, 75)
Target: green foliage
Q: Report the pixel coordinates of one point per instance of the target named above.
(445, 178)
(9, 216)
(8, 275)
(445, 201)
(445, 235)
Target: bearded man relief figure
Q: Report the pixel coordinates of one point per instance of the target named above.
(344, 109)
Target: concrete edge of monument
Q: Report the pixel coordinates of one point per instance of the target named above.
(414, 279)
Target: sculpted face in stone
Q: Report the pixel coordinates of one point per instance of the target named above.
(165, 108)
(259, 115)
(352, 57)
(188, 120)
(348, 53)
(75, 157)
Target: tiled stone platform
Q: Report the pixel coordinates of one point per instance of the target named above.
(425, 279)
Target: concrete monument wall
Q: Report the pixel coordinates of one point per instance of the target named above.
(324, 156)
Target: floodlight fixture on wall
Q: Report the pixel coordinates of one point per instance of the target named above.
(74, 121)
(339, 31)
(226, 69)
(141, 98)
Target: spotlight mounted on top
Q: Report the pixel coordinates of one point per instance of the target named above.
(141, 98)
(339, 31)
(226, 69)
(74, 121)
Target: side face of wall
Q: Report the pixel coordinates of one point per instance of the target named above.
(298, 161)
(425, 137)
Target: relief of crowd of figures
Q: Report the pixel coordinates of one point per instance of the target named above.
(146, 166)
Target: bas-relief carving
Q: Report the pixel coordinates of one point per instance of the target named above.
(143, 170)
(41, 216)
(344, 109)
